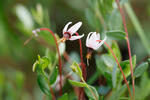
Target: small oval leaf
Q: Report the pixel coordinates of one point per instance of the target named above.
(64, 97)
(89, 94)
(42, 82)
(53, 76)
(78, 84)
(140, 69)
(116, 34)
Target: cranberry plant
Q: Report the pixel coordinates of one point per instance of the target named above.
(64, 76)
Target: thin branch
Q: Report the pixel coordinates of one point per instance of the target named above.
(128, 44)
(119, 67)
(59, 57)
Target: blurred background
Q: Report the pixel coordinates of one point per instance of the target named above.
(19, 17)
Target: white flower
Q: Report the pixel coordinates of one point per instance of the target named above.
(68, 33)
(91, 40)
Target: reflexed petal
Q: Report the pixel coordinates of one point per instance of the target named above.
(98, 35)
(66, 26)
(102, 42)
(87, 39)
(93, 36)
(74, 28)
(76, 37)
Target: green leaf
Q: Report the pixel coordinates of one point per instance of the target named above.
(116, 94)
(114, 76)
(115, 21)
(78, 84)
(116, 51)
(140, 69)
(108, 60)
(92, 19)
(108, 76)
(75, 68)
(126, 66)
(64, 97)
(116, 34)
(89, 94)
(43, 84)
(93, 78)
(41, 64)
(53, 76)
(101, 67)
(103, 90)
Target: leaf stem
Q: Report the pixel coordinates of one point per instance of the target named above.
(128, 44)
(119, 67)
(59, 57)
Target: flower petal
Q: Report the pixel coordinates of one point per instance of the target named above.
(76, 37)
(74, 28)
(66, 26)
(87, 39)
(93, 36)
(102, 42)
(98, 35)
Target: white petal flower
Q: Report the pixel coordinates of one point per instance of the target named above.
(76, 37)
(91, 41)
(67, 33)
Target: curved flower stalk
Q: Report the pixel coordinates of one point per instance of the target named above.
(68, 33)
(119, 67)
(128, 44)
(93, 42)
(57, 47)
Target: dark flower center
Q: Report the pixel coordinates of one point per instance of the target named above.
(67, 35)
(90, 50)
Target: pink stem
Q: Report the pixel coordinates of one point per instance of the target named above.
(53, 95)
(83, 68)
(128, 44)
(119, 67)
(59, 57)
(81, 57)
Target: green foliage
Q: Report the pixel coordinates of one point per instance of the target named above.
(43, 84)
(75, 68)
(93, 78)
(64, 97)
(116, 95)
(53, 76)
(103, 16)
(116, 50)
(19, 79)
(116, 34)
(144, 87)
(41, 64)
(92, 19)
(140, 69)
(126, 66)
(90, 96)
(78, 84)
(103, 90)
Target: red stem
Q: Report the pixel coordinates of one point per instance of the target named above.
(53, 96)
(59, 57)
(119, 67)
(81, 57)
(128, 44)
(83, 68)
